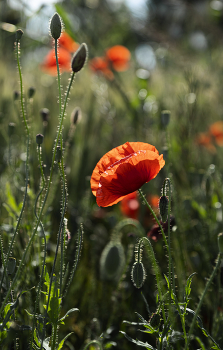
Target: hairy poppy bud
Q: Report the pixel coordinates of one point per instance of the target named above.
(155, 320)
(39, 139)
(55, 26)
(138, 274)
(18, 35)
(11, 129)
(165, 118)
(220, 243)
(31, 92)
(163, 207)
(112, 261)
(75, 115)
(79, 58)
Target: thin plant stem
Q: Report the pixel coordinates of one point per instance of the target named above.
(46, 195)
(218, 263)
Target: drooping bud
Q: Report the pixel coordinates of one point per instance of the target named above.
(163, 207)
(55, 26)
(155, 320)
(11, 129)
(138, 274)
(18, 35)
(39, 139)
(220, 243)
(165, 118)
(112, 261)
(79, 58)
(75, 115)
(31, 91)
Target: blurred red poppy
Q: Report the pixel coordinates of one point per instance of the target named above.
(124, 170)
(66, 42)
(155, 232)
(129, 205)
(204, 139)
(216, 130)
(49, 63)
(119, 57)
(100, 65)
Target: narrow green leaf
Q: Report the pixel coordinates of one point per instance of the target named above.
(62, 341)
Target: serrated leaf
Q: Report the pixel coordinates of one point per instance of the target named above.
(68, 313)
(138, 342)
(188, 286)
(110, 344)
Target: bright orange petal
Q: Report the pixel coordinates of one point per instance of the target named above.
(124, 170)
(129, 205)
(65, 41)
(100, 65)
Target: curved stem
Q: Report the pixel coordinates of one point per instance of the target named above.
(93, 342)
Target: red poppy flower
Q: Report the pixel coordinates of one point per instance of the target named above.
(124, 170)
(204, 139)
(119, 57)
(129, 205)
(216, 130)
(65, 41)
(64, 59)
(100, 65)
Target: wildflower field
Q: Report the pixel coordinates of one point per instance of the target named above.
(111, 172)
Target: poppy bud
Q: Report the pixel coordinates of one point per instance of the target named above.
(79, 58)
(11, 266)
(163, 207)
(11, 129)
(75, 115)
(16, 95)
(44, 112)
(39, 139)
(112, 261)
(31, 92)
(138, 274)
(165, 118)
(155, 320)
(18, 35)
(55, 26)
(220, 243)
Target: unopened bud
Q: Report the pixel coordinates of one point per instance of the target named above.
(75, 115)
(11, 129)
(44, 112)
(138, 274)
(163, 207)
(55, 26)
(39, 139)
(79, 58)
(165, 118)
(31, 91)
(18, 35)
(220, 242)
(16, 95)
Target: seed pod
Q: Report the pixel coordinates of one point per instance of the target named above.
(44, 112)
(163, 207)
(220, 243)
(39, 139)
(18, 35)
(79, 58)
(138, 274)
(16, 95)
(55, 26)
(112, 261)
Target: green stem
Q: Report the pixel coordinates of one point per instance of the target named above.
(218, 263)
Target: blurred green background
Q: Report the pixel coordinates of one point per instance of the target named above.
(176, 65)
